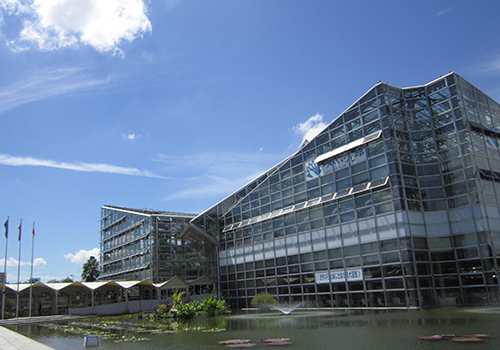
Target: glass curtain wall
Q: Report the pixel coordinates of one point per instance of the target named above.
(144, 245)
(395, 203)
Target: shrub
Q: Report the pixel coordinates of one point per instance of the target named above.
(264, 301)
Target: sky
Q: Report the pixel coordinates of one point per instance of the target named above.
(175, 104)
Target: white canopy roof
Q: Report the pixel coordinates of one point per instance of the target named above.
(174, 282)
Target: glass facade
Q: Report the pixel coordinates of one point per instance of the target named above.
(144, 245)
(395, 203)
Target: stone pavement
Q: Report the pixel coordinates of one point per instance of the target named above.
(10, 340)
(40, 319)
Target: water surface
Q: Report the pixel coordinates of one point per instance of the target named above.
(357, 330)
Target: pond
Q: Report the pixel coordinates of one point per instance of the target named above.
(358, 330)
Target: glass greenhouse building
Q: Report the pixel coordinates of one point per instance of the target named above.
(143, 244)
(395, 203)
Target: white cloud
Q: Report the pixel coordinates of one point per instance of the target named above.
(223, 173)
(39, 262)
(440, 13)
(171, 4)
(310, 128)
(491, 67)
(208, 186)
(101, 24)
(130, 137)
(46, 84)
(9, 6)
(6, 159)
(82, 256)
(12, 262)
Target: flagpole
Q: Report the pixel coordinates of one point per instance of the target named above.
(18, 269)
(31, 278)
(5, 265)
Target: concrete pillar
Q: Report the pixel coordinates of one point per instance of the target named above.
(54, 307)
(126, 300)
(36, 300)
(141, 294)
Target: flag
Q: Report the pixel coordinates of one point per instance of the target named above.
(33, 230)
(20, 230)
(6, 225)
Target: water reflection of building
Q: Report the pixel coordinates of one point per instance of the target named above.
(395, 203)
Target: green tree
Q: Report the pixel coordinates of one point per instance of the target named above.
(90, 270)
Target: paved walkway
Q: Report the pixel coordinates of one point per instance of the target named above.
(40, 319)
(10, 340)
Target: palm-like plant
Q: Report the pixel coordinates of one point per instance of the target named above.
(188, 310)
(212, 306)
(177, 298)
(90, 270)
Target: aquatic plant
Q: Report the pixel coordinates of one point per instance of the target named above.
(113, 329)
(187, 310)
(211, 306)
(213, 330)
(162, 312)
(129, 338)
(177, 298)
(70, 328)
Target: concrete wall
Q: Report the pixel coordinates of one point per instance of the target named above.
(117, 308)
(131, 307)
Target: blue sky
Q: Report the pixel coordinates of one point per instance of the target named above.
(173, 105)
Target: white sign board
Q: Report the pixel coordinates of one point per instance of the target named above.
(314, 170)
(340, 275)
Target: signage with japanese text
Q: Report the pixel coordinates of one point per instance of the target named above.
(340, 275)
(314, 170)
